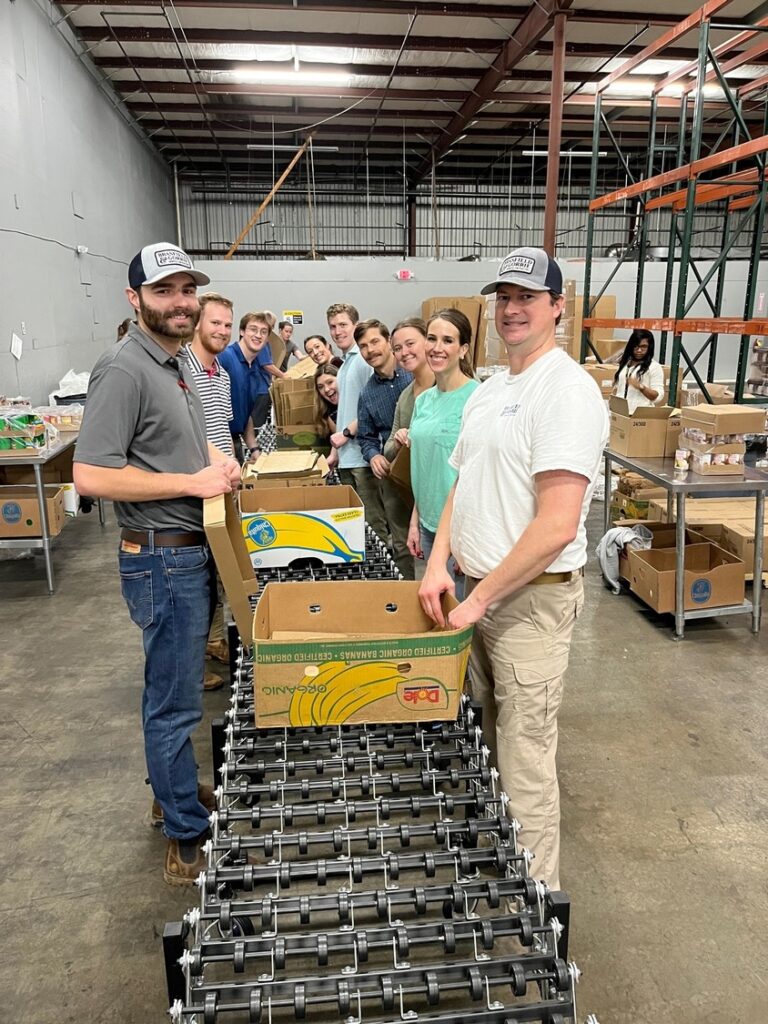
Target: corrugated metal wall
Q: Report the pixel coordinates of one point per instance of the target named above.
(482, 221)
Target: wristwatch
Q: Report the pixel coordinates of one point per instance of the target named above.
(347, 432)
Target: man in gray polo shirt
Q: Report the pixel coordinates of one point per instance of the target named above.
(143, 445)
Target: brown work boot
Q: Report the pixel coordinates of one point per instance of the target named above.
(212, 682)
(204, 794)
(184, 860)
(218, 650)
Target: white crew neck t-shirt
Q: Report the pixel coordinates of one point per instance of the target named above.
(551, 416)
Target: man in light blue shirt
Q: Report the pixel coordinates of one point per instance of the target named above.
(352, 377)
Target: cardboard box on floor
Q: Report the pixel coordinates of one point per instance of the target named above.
(286, 468)
(713, 577)
(650, 431)
(664, 536)
(20, 512)
(351, 652)
(738, 537)
(283, 525)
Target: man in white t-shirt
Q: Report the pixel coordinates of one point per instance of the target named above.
(528, 456)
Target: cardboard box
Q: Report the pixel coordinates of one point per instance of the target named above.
(629, 506)
(277, 348)
(350, 652)
(720, 394)
(400, 474)
(738, 537)
(286, 468)
(301, 370)
(724, 419)
(293, 402)
(664, 536)
(301, 439)
(603, 375)
(224, 530)
(713, 577)
(20, 513)
(642, 434)
(56, 470)
(285, 525)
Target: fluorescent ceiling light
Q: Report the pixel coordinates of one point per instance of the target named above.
(658, 67)
(253, 76)
(563, 152)
(291, 149)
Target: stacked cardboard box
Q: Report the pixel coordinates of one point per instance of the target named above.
(568, 331)
(294, 403)
(713, 438)
(305, 635)
(728, 522)
(304, 368)
(633, 496)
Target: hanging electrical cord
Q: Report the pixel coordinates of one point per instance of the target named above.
(310, 200)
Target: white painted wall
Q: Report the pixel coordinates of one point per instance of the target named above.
(73, 172)
(372, 286)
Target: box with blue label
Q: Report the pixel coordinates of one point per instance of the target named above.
(713, 577)
(284, 526)
(20, 511)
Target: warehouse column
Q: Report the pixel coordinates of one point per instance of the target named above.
(555, 131)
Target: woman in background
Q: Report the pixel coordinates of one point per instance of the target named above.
(408, 340)
(639, 378)
(326, 398)
(435, 429)
(319, 350)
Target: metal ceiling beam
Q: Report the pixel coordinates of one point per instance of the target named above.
(406, 7)
(248, 114)
(527, 35)
(662, 43)
(118, 63)
(726, 47)
(428, 44)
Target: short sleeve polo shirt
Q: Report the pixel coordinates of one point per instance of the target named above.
(143, 410)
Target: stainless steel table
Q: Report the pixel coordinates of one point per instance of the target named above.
(37, 461)
(662, 472)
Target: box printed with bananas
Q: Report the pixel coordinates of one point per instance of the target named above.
(285, 525)
(371, 656)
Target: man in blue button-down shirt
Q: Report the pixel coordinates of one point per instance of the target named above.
(375, 413)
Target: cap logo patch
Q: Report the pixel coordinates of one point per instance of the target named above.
(172, 257)
(517, 264)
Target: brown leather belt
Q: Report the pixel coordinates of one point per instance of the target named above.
(555, 577)
(163, 540)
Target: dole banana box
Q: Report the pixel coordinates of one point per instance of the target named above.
(285, 525)
(353, 652)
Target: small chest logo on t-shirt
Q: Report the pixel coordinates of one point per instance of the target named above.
(510, 410)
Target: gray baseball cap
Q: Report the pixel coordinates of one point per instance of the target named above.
(529, 268)
(160, 260)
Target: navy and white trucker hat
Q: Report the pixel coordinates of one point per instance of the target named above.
(529, 268)
(160, 260)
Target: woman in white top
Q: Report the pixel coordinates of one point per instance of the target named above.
(639, 378)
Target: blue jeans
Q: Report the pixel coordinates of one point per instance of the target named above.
(171, 594)
(427, 540)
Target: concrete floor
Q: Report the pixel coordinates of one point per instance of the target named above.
(664, 777)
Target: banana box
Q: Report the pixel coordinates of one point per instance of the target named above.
(352, 652)
(285, 525)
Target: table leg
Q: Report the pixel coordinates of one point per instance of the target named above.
(607, 502)
(40, 488)
(757, 579)
(680, 567)
(102, 519)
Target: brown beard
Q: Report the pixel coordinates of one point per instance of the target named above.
(158, 323)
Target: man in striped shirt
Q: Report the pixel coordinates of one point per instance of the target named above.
(212, 335)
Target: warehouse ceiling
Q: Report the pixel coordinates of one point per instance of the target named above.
(392, 90)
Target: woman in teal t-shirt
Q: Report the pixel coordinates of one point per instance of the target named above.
(435, 429)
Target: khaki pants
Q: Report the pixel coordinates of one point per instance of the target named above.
(519, 657)
(385, 512)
